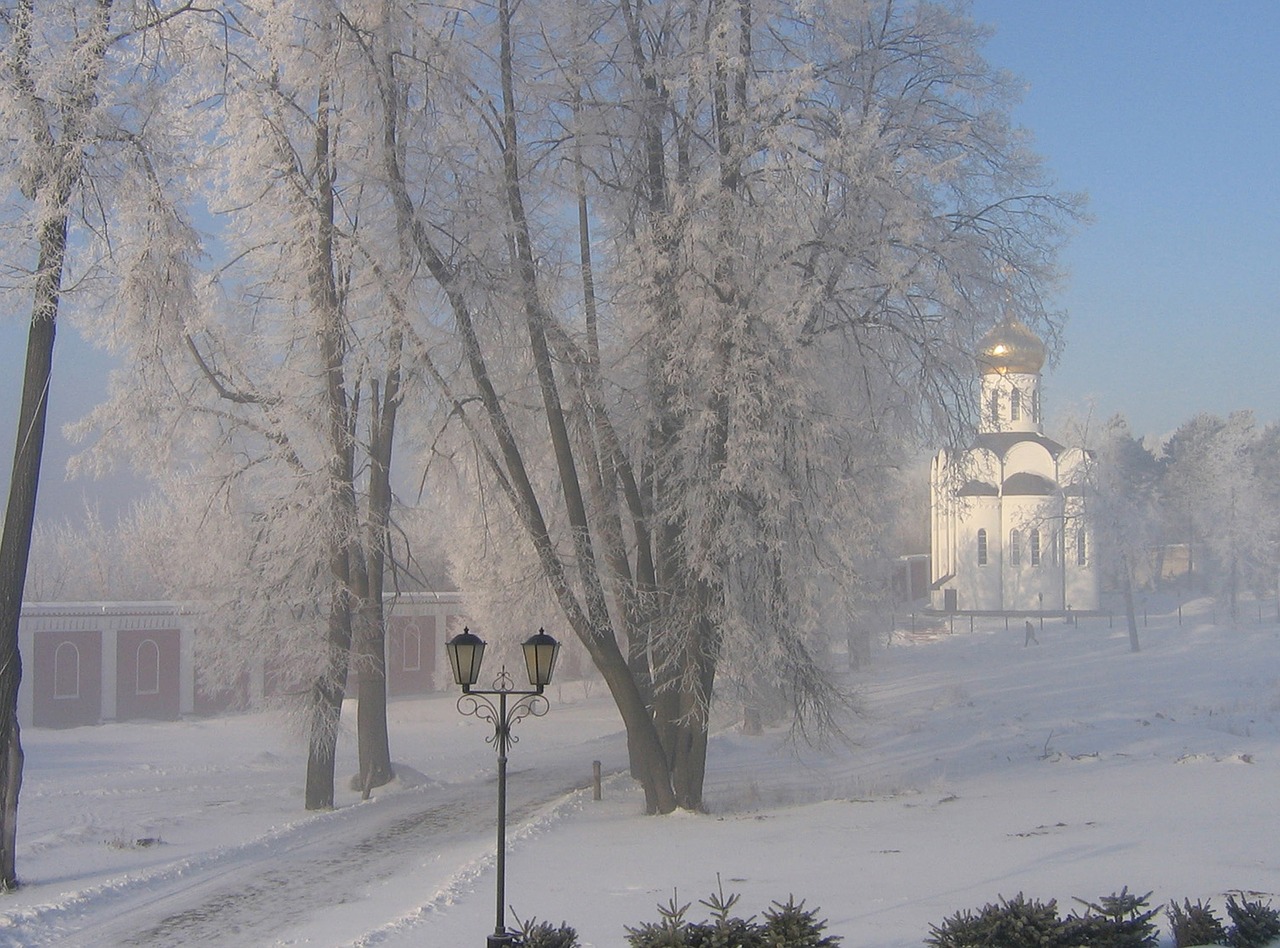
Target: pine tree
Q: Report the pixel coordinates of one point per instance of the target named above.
(1195, 924)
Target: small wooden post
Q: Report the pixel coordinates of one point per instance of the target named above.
(595, 780)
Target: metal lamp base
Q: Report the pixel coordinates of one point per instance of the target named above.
(506, 940)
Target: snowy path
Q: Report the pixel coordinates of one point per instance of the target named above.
(360, 874)
(254, 896)
(308, 873)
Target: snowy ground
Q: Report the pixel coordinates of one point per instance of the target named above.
(979, 768)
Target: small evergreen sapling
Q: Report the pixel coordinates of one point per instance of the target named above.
(1116, 921)
(785, 925)
(794, 926)
(725, 930)
(536, 934)
(1254, 924)
(1014, 923)
(668, 932)
(1195, 925)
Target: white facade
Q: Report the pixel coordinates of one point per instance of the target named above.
(1009, 532)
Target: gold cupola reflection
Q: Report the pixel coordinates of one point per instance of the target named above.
(1011, 347)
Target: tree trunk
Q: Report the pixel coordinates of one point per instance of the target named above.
(369, 646)
(595, 627)
(1126, 581)
(649, 763)
(15, 545)
(328, 689)
(62, 167)
(325, 710)
(368, 658)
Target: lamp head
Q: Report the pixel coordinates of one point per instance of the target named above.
(466, 652)
(540, 653)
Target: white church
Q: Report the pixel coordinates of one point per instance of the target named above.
(1009, 525)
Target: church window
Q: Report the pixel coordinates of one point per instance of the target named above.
(1035, 407)
(1015, 548)
(1015, 405)
(982, 547)
(1082, 551)
(994, 408)
(1035, 547)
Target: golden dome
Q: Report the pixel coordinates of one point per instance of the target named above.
(1010, 347)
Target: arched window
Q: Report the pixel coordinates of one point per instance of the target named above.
(994, 408)
(982, 547)
(1015, 548)
(1035, 547)
(1015, 405)
(412, 659)
(148, 660)
(1035, 406)
(66, 671)
(1082, 550)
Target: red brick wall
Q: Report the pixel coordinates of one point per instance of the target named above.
(148, 674)
(411, 655)
(48, 710)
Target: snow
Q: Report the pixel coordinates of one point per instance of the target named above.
(975, 768)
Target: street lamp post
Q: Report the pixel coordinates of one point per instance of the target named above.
(466, 652)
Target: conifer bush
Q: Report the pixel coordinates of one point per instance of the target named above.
(1119, 920)
(1195, 925)
(1254, 924)
(1013, 923)
(785, 925)
(793, 926)
(536, 934)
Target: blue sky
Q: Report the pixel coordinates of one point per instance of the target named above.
(1166, 114)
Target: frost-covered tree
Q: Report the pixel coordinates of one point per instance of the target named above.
(1212, 497)
(1121, 504)
(682, 277)
(90, 559)
(1265, 455)
(788, 226)
(78, 84)
(272, 373)
(1189, 471)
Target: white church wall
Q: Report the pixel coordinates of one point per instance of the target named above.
(978, 585)
(1030, 585)
(1083, 585)
(1030, 457)
(1001, 388)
